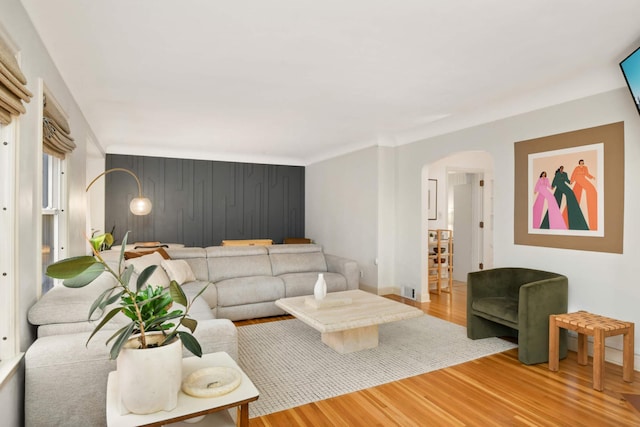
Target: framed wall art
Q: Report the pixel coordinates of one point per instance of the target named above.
(569, 190)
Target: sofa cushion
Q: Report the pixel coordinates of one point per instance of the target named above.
(195, 257)
(250, 311)
(296, 259)
(297, 284)
(178, 270)
(249, 290)
(159, 276)
(497, 308)
(229, 262)
(208, 297)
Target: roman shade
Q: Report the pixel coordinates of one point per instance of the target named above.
(56, 133)
(12, 85)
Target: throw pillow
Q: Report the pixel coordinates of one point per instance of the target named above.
(158, 278)
(138, 254)
(178, 270)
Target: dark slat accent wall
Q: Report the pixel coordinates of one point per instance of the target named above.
(201, 203)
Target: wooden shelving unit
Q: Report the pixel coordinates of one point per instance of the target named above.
(440, 263)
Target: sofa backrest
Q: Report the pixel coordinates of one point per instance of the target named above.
(227, 262)
(195, 257)
(294, 258)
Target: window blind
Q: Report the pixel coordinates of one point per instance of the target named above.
(12, 85)
(57, 140)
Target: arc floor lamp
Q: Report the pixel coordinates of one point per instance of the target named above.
(139, 205)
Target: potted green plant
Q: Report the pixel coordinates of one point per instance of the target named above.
(152, 325)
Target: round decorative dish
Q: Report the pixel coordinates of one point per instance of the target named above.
(211, 382)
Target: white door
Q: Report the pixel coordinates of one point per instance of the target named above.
(463, 238)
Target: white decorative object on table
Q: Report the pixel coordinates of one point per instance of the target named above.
(211, 382)
(149, 378)
(320, 289)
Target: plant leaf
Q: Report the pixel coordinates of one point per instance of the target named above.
(99, 302)
(119, 331)
(112, 299)
(190, 323)
(120, 341)
(177, 294)
(122, 250)
(70, 267)
(108, 241)
(126, 275)
(96, 242)
(86, 277)
(144, 276)
(190, 343)
(104, 321)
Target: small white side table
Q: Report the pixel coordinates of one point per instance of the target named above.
(188, 406)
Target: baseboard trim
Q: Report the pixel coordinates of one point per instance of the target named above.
(611, 355)
(376, 291)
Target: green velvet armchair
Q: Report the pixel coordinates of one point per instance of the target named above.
(517, 302)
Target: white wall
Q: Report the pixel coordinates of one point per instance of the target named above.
(599, 282)
(38, 69)
(341, 208)
(387, 215)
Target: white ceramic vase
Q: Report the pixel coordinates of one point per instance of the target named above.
(149, 379)
(320, 289)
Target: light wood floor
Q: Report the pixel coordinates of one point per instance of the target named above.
(492, 391)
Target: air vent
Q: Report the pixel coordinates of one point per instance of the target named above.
(408, 292)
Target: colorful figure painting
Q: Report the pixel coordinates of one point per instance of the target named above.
(567, 191)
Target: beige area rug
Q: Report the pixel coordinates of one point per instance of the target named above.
(291, 366)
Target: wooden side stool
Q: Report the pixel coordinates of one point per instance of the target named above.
(599, 327)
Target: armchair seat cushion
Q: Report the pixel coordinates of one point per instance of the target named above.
(499, 309)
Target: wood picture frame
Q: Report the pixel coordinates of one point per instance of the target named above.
(432, 200)
(606, 145)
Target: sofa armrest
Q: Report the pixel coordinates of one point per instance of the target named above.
(539, 299)
(348, 268)
(66, 305)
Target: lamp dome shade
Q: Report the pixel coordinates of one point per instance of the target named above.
(140, 206)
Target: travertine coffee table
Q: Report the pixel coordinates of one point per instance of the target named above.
(348, 321)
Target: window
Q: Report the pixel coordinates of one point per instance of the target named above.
(8, 282)
(52, 209)
(56, 144)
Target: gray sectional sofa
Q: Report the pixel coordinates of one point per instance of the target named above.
(244, 283)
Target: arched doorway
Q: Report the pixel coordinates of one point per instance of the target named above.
(464, 179)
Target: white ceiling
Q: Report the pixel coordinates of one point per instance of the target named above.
(297, 81)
